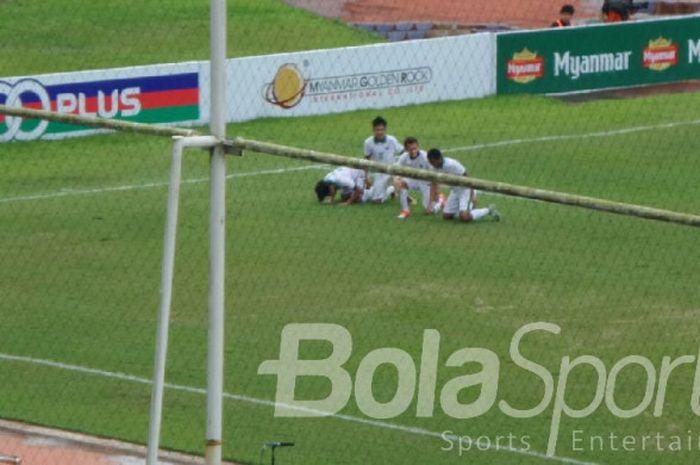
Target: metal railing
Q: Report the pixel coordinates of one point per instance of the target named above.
(10, 460)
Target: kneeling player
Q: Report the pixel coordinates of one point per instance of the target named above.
(460, 201)
(349, 181)
(413, 157)
(382, 148)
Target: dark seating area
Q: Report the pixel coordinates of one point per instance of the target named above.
(396, 32)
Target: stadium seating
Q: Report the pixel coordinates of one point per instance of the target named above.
(395, 32)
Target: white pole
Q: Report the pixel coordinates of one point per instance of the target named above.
(166, 293)
(217, 233)
(201, 142)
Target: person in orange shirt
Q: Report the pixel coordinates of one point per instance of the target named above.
(615, 11)
(566, 14)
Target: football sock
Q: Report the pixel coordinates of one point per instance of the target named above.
(403, 197)
(388, 193)
(479, 213)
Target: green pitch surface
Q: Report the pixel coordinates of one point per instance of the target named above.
(81, 239)
(43, 36)
(80, 260)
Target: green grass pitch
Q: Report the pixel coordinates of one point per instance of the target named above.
(80, 250)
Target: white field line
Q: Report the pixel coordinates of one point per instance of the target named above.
(564, 137)
(467, 148)
(149, 185)
(268, 403)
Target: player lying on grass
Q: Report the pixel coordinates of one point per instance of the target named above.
(382, 148)
(461, 200)
(414, 157)
(349, 181)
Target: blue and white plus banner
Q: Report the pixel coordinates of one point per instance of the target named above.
(292, 84)
(165, 94)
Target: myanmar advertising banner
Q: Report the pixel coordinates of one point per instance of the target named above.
(599, 57)
(146, 94)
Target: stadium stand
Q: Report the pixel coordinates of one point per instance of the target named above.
(435, 18)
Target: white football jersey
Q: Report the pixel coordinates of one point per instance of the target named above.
(420, 162)
(384, 151)
(452, 166)
(346, 178)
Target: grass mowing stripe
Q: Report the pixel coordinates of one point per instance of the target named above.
(590, 135)
(268, 403)
(150, 185)
(468, 148)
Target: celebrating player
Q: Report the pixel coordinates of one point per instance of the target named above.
(461, 200)
(349, 181)
(413, 157)
(383, 148)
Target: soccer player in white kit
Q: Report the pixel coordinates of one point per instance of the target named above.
(414, 157)
(382, 148)
(349, 181)
(461, 200)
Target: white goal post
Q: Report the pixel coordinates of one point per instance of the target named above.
(180, 143)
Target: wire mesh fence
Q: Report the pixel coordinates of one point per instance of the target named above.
(370, 318)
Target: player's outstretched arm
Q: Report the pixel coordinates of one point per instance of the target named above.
(331, 194)
(433, 197)
(355, 197)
